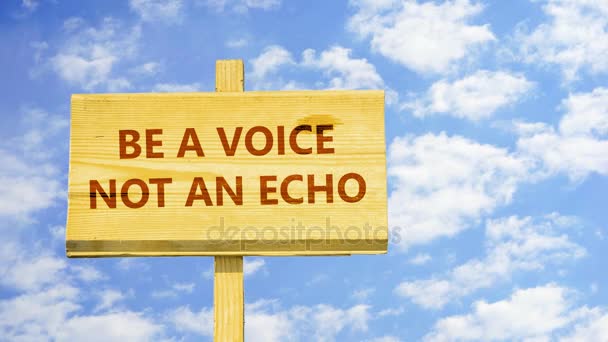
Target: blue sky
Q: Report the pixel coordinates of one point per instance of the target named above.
(497, 148)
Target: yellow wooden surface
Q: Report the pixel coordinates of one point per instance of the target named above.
(229, 76)
(228, 299)
(229, 305)
(228, 289)
(248, 229)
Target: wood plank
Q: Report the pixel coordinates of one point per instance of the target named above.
(319, 228)
(228, 299)
(229, 295)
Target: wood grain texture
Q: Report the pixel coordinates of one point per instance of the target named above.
(228, 299)
(229, 75)
(248, 229)
(228, 289)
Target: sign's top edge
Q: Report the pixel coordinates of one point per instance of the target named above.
(245, 93)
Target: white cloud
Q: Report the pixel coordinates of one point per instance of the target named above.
(49, 306)
(146, 69)
(391, 312)
(362, 295)
(330, 321)
(528, 314)
(176, 88)
(574, 37)
(251, 267)
(387, 338)
(236, 43)
(53, 314)
(30, 178)
(343, 71)
(116, 326)
(72, 23)
(29, 5)
(473, 97)
(263, 4)
(339, 71)
(317, 279)
(269, 61)
(90, 55)
(87, 273)
(209, 273)
(512, 244)
(578, 146)
(38, 315)
(184, 287)
(586, 113)
(131, 264)
(420, 259)
(429, 172)
(108, 298)
(594, 288)
(243, 6)
(58, 232)
(174, 291)
(27, 188)
(594, 327)
(158, 10)
(425, 37)
(266, 321)
(29, 272)
(185, 320)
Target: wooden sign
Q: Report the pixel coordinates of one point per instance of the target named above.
(250, 173)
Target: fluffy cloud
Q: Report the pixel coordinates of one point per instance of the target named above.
(185, 320)
(362, 295)
(236, 43)
(429, 172)
(29, 5)
(28, 272)
(385, 339)
(528, 314)
(108, 298)
(425, 37)
(420, 259)
(263, 4)
(158, 10)
(343, 71)
(90, 55)
(574, 37)
(266, 321)
(473, 97)
(322, 322)
(146, 69)
(49, 303)
(176, 88)
(593, 327)
(243, 6)
(174, 291)
(339, 70)
(579, 145)
(27, 188)
(49, 314)
(251, 267)
(512, 244)
(268, 62)
(30, 177)
(115, 326)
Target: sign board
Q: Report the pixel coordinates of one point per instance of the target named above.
(249, 173)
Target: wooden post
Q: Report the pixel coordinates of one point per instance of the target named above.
(228, 294)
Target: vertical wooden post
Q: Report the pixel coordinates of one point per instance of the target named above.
(228, 294)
